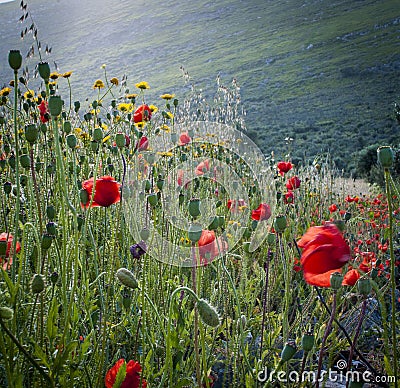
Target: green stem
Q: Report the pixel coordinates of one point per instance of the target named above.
(392, 274)
(324, 338)
(26, 354)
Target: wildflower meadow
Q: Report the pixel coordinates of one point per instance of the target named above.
(146, 241)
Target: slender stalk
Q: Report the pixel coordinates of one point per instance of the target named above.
(196, 315)
(392, 274)
(357, 333)
(27, 354)
(324, 338)
(265, 300)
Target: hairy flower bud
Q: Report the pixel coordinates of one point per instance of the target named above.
(127, 278)
(15, 59)
(37, 284)
(207, 313)
(6, 313)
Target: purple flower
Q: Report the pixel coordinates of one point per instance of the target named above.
(138, 250)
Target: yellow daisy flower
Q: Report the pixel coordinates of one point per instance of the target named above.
(106, 138)
(52, 83)
(114, 81)
(124, 107)
(78, 130)
(104, 126)
(54, 75)
(140, 124)
(29, 94)
(5, 91)
(98, 84)
(153, 108)
(165, 153)
(167, 96)
(165, 128)
(168, 115)
(67, 74)
(142, 85)
(131, 95)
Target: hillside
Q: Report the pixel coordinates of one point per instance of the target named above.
(324, 73)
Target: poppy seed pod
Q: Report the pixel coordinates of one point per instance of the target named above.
(25, 160)
(15, 59)
(120, 140)
(307, 342)
(152, 199)
(71, 141)
(46, 241)
(31, 133)
(288, 351)
(55, 105)
(336, 280)
(280, 223)
(194, 207)
(385, 156)
(7, 187)
(37, 284)
(207, 313)
(127, 278)
(6, 313)
(44, 70)
(194, 232)
(98, 134)
(67, 127)
(364, 286)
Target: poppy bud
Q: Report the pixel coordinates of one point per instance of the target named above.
(336, 280)
(207, 313)
(271, 238)
(71, 141)
(160, 184)
(25, 161)
(37, 284)
(221, 221)
(55, 105)
(280, 223)
(15, 59)
(51, 228)
(94, 146)
(77, 106)
(242, 322)
(7, 187)
(23, 179)
(374, 273)
(194, 232)
(307, 342)
(44, 70)
(31, 133)
(11, 161)
(120, 140)
(126, 278)
(67, 127)
(46, 241)
(152, 199)
(147, 185)
(51, 212)
(175, 102)
(347, 216)
(54, 277)
(3, 164)
(98, 134)
(385, 156)
(194, 207)
(364, 286)
(214, 223)
(6, 313)
(288, 351)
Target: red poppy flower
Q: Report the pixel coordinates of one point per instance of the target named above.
(107, 191)
(263, 212)
(184, 139)
(293, 183)
(44, 111)
(289, 197)
(203, 167)
(8, 238)
(210, 247)
(332, 208)
(351, 277)
(143, 113)
(143, 144)
(324, 251)
(284, 167)
(132, 377)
